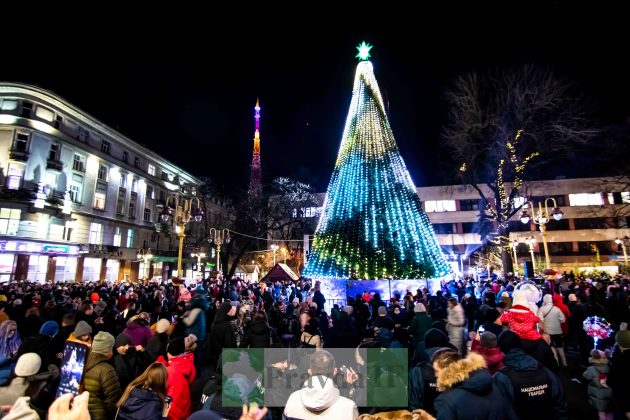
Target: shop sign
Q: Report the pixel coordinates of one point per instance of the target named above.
(37, 247)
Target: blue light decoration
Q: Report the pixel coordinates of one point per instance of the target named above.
(372, 225)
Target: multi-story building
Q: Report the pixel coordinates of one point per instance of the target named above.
(596, 214)
(79, 200)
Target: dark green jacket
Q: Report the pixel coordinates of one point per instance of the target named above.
(101, 381)
(420, 324)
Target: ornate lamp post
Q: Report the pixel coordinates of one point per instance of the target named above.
(199, 256)
(274, 248)
(145, 254)
(219, 237)
(514, 245)
(531, 241)
(182, 216)
(541, 218)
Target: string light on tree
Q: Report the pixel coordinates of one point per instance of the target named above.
(372, 225)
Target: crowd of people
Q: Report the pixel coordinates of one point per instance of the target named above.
(476, 349)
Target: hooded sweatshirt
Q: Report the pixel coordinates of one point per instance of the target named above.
(319, 398)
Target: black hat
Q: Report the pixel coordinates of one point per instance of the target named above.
(176, 346)
(435, 338)
(122, 340)
(509, 340)
(491, 315)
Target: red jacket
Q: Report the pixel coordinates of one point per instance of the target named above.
(492, 356)
(181, 374)
(522, 321)
(557, 301)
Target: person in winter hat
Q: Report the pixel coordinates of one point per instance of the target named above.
(42, 345)
(181, 374)
(488, 348)
(156, 345)
(130, 361)
(552, 319)
(420, 324)
(599, 393)
(101, 379)
(82, 333)
(27, 365)
(535, 391)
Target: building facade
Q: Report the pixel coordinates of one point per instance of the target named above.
(80, 201)
(596, 214)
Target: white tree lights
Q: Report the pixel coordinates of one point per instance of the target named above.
(373, 225)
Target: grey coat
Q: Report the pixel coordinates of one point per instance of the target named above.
(599, 396)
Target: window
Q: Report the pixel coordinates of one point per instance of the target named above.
(125, 156)
(518, 202)
(470, 227)
(50, 182)
(130, 235)
(562, 224)
(21, 142)
(132, 205)
(120, 204)
(117, 236)
(591, 223)
(439, 206)
(311, 211)
(54, 153)
(105, 146)
(518, 226)
(149, 191)
(79, 163)
(103, 172)
(619, 198)
(58, 122)
(65, 269)
(14, 177)
(83, 135)
(100, 195)
(96, 234)
(445, 228)
(147, 215)
(76, 188)
(162, 196)
(136, 162)
(44, 114)
(8, 104)
(37, 268)
(27, 109)
(586, 199)
(470, 205)
(562, 248)
(151, 170)
(9, 221)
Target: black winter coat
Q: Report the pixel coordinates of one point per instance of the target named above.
(258, 335)
(131, 365)
(141, 404)
(221, 334)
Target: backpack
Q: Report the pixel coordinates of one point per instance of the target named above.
(429, 386)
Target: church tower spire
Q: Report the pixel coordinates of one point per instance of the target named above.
(255, 181)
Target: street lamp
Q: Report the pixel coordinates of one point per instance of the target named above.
(531, 241)
(145, 254)
(199, 256)
(181, 217)
(274, 248)
(219, 237)
(623, 247)
(541, 218)
(514, 245)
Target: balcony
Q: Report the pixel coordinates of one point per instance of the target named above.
(54, 165)
(20, 155)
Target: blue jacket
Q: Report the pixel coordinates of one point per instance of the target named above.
(526, 365)
(468, 392)
(6, 368)
(195, 323)
(141, 404)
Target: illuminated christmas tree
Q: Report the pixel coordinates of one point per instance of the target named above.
(372, 225)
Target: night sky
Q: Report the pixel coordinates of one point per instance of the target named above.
(186, 87)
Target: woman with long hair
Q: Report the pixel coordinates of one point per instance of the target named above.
(145, 396)
(9, 344)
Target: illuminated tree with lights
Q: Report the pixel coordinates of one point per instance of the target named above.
(372, 225)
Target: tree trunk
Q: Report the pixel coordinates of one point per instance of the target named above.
(506, 261)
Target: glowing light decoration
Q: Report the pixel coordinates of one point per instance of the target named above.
(597, 328)
(364, 51)
(372, 224)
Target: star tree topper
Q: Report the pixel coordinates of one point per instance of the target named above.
(364, 51)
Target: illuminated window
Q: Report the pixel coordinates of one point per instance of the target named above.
(8, 105)
(151, 170)
(44, 114)
(518, 202)
(9, 221)
(586, 199)
(439, 206)
(117, 236)
(76, 188)
(96, 234)
(100, 195)
(14, 177)
(130, 236)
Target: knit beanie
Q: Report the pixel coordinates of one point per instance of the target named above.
(382, 310)
(122, 340)
(509, 340)
(419, 308)
(435, 338)
(488, 339)
(49, 328)
(103, 343)
(296, 300)
(162, 326)
(82, 328)
(95, 297)
(28, 364)
(623, 339)
(176, 346)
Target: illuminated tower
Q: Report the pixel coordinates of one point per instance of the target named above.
(255, 181)
(372, 225)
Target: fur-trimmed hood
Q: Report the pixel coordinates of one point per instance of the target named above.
(460, 372)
